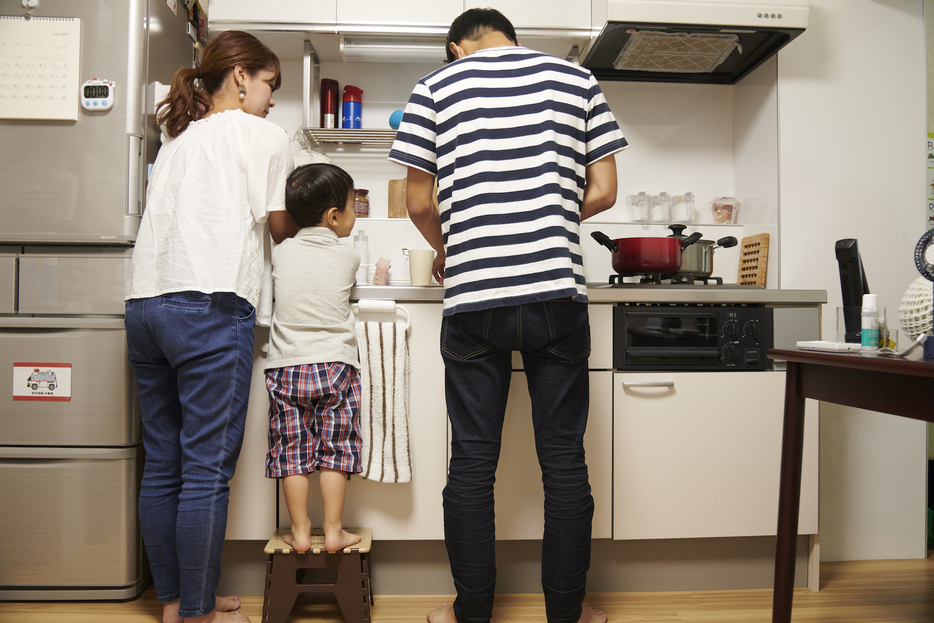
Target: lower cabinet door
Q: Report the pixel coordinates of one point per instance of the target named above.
(696, 454)
(519, 493)
(404, 511)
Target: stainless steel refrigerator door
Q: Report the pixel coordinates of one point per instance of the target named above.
(83, 182)
(69, 520)
(102, 410)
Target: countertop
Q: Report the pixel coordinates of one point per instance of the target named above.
(603, 293)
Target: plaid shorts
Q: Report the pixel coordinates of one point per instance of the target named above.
(313, 421)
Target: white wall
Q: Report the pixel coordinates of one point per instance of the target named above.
(852, 125)
(848, 162)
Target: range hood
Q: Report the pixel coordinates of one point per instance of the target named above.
(697, 41)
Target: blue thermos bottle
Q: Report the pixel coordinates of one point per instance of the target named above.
(352, 110)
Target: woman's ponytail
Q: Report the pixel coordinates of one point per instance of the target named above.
(184, 103)
(187, 102)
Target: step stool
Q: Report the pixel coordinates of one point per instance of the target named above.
(352, 588)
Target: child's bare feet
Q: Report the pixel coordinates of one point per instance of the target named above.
(591, 615)
(339, 540)
(300, 544)
(444, 614)
(299, 538)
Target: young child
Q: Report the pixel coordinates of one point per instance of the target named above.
(311, 370)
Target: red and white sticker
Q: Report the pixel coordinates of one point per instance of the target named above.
(41, 381)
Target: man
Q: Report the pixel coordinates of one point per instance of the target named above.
(522, 145)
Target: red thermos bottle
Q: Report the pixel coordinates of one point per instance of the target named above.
(329, 109)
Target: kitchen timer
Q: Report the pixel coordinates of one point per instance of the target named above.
(97, 94)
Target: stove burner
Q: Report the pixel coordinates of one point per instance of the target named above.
(662, 279)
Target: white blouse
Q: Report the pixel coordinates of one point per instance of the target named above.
(211, 191)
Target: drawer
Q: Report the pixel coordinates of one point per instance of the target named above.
(7, 282)
(69, 517)
(99, 410)
(73, 282)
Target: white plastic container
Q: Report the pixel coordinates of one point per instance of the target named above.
(361, 244)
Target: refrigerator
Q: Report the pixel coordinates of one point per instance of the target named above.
(78, 85)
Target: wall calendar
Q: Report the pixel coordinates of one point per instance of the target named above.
(39, 66)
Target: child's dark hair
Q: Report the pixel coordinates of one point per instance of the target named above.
(474, 23)
(314, 188)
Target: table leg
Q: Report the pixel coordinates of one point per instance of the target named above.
(789, 495)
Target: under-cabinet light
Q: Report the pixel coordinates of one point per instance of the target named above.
(393, 49)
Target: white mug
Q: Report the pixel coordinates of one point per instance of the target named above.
(420, 261)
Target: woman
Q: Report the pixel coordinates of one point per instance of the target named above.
(191, 290)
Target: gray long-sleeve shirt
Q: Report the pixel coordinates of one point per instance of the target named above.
(313, 274)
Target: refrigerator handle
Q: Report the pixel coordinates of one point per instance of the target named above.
(134, 175)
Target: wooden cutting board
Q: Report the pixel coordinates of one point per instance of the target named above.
(753, 260)
(397, 199)
(397, 190)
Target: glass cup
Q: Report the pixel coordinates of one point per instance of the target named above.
(849, 323)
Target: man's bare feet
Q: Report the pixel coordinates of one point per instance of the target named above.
(340, 540)
(591, 615)
(444, 614)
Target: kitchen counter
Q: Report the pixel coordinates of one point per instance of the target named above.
(603, 293)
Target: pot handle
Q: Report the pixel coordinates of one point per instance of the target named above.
(726, 242)
(605, 240)
(690, 240)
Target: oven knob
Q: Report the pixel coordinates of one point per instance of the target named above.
(751, 330)
(730, 329)
(731, 352)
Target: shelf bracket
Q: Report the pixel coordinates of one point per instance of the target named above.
(311, 82)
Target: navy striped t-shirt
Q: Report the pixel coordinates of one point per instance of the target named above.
(509, 133)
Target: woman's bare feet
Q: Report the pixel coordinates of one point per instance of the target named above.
(339, 540)
(444, 614)
(591, 615)
(227, 604)
(223, 606)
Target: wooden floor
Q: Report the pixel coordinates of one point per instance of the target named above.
(899, 591)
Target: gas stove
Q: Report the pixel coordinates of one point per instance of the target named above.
(683, 280)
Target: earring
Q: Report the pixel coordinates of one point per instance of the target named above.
(242, 91)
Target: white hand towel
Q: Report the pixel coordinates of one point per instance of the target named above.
(384, 401)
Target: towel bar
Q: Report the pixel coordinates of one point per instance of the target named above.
(381, 306)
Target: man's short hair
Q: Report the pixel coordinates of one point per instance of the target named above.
(474, 23)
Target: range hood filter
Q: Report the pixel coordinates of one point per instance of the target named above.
(675, 52)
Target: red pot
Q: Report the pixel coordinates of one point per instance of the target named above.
(641, 256)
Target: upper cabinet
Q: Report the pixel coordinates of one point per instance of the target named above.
(524, 15)
(414, 12)
(540, 14)
(283, 11)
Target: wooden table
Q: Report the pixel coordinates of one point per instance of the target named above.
(896, 386)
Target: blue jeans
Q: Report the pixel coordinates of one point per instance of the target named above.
(193, 358)
(554, 340)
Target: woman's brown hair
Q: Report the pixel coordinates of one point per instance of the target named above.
(186, 102)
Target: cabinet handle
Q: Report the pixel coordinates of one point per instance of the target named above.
(648, 384)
